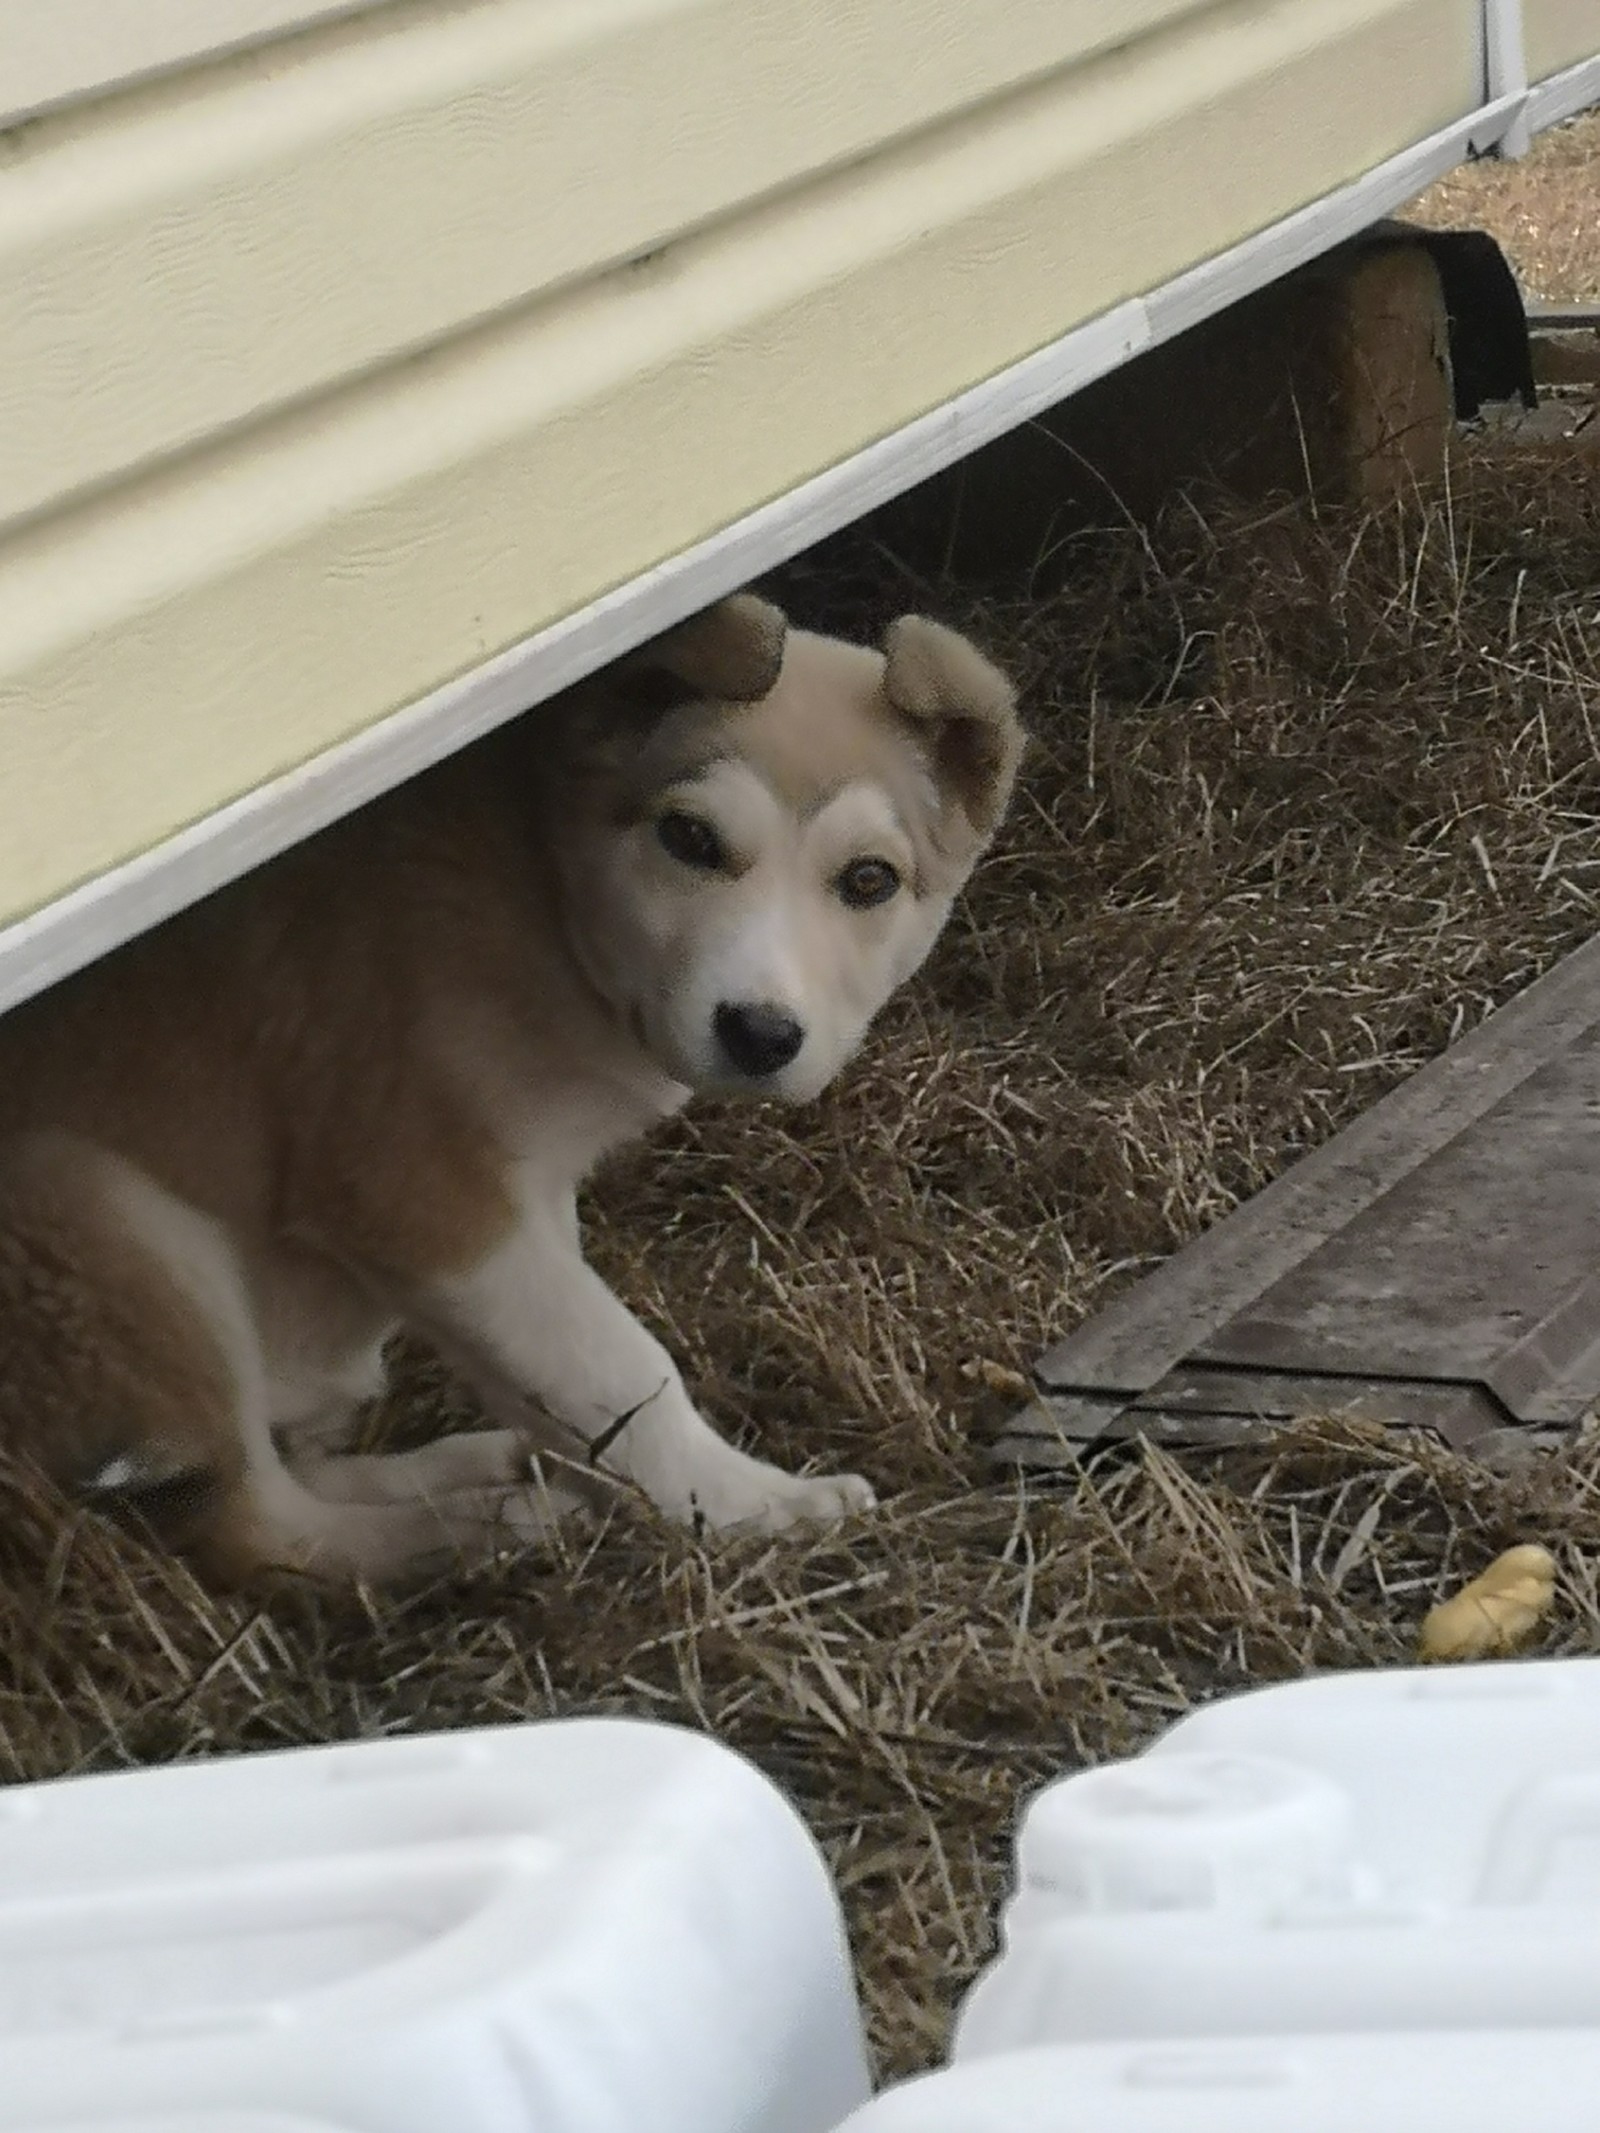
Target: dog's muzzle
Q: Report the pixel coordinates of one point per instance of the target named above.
(757, 1040)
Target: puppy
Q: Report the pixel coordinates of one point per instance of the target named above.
(359, 1090)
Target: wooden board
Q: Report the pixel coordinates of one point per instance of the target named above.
(1437, 1263)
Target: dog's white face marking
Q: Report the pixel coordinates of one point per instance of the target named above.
(752, 943)
(748, 883)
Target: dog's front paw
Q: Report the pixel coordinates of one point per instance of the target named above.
(790, 1500)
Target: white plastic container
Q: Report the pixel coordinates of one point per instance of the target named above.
(1446, 2083)
(594, 1926)
(1414, 1850)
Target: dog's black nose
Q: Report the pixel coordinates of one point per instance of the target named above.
(757, 1040)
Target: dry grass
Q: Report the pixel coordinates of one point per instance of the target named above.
(1306, 800)
(1542, 208)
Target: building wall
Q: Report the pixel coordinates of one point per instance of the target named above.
(1559, 33)
(337, 363)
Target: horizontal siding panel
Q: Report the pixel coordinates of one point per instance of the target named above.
(60, 51)
(168, 646)
(197, 256)
(1558, 34)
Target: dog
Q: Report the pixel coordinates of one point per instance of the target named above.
(358, 1090)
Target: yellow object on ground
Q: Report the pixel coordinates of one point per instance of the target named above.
(1498, 1611)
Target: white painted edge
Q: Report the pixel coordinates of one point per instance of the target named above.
(38, 950)
(1505, 69)
(1564, 95)
(1307, 234)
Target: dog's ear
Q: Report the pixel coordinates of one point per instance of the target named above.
(730, 653)
(965, 709)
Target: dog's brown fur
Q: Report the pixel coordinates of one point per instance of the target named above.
(359, 1089)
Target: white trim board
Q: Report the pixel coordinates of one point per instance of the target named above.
(1505, 68)
(38, 950)
(1564, 95)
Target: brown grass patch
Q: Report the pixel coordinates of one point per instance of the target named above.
(1542, 208)
(1306, 800)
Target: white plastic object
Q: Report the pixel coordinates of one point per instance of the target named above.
(1411, 1850)
(584, 1926)
(1439, 2083)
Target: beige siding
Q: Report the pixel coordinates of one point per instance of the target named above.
(345, 364)
(246, 237)
(1559, 33)
(54, 52)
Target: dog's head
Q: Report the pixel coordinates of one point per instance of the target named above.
(762, 833)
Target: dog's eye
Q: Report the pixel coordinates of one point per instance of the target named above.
(865, 882)
(692, 841)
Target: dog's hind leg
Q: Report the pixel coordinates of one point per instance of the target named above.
(131, 1373)
(490, 1470)
(111, 1381)
(386, 1518)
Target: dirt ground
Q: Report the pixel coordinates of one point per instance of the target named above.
(1307, 798)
